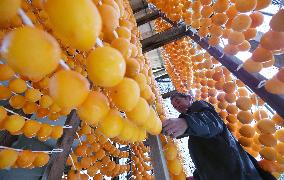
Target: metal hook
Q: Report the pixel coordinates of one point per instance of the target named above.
(27, 21)
(99, 42)
(239, 67)
(25, 18)
(56, 150)
(64, 65)
(67, 127)
(261, 84)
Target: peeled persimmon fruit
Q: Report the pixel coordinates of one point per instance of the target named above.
(106, 66)
(123, 45)
(110, 17)
(245, 6)
(8, 10)
(261, 4)
(140, 112)
(272, 40)
(94, 108)
(257, 19)
(252, 66)
(35, 59)
(276, 22)
(126, 94)
(241, 22)
(77, 23)
(8, 158)
(112, 124)
(261, 54)
(68, 89)
(236, 38)
(6, 72)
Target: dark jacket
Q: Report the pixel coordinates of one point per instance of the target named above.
(217, 155)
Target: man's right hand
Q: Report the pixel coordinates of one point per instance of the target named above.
(174, 127)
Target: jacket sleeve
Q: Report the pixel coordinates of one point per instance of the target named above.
(196, 175)
(204, 122)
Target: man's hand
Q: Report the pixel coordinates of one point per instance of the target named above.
(174, 127)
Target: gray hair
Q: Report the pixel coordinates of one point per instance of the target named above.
(190, 94)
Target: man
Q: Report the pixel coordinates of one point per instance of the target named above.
(217, 155)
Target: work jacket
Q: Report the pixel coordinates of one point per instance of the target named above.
(216, 153)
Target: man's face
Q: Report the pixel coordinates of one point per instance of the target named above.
(181, 104)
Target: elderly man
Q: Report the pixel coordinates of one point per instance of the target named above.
(217, 155)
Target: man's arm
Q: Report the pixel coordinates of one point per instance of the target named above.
(203, 122)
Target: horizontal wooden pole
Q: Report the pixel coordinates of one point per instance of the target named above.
(139, 7)
(162, 77)
(147, 18)
(163, 38)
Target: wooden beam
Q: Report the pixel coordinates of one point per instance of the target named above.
(129, 173)
(156, 69)
(147, 18)
(139, 7)
(56, 165)
(160, 39)
(157, 158)
(168, 94)
(162, 77)
(157, 72)
(164, 81)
